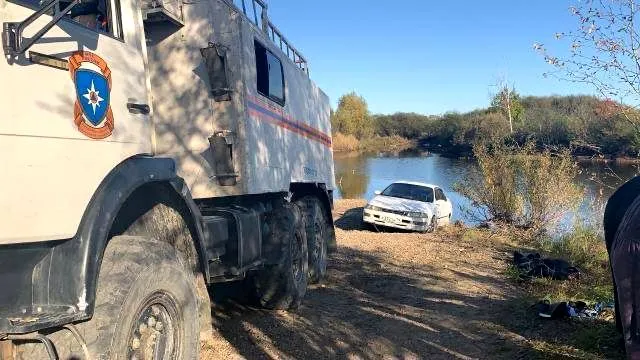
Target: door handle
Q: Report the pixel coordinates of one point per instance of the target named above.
(138, 108)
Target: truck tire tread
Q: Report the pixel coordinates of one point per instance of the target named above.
(318, 236)
(275, 285)
(130, 265)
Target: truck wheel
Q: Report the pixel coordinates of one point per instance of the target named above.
(163, 221)
(146, 306)
(317, 228)
(282, 286)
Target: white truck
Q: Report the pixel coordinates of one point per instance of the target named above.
(149, 150)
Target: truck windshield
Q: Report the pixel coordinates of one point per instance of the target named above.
(93, 14)
(409, 191)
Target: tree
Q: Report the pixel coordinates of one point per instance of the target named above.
(604, 52)
(352, 116)
(508, 101)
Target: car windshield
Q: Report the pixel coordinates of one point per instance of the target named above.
(409, 191)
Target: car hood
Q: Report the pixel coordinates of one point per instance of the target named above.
(394, 203)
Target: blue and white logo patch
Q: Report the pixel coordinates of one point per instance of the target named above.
(92, 109)
(92, 89)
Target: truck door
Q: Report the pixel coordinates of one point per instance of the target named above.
(72, 107)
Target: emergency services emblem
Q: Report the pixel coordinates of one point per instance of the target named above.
(92, 111)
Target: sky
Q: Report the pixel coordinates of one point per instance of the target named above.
(426, 56)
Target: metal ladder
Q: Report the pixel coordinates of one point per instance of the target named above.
(257, 14)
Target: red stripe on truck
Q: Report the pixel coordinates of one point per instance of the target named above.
(265, 112)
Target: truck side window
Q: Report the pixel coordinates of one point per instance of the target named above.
(270, 77)
(276, 79)
(440, 195)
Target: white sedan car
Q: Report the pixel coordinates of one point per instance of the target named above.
(408, 205)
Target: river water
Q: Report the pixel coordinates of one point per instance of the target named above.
(359, 175)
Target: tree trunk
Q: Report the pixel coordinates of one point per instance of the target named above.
(507, 103)
(509, 115)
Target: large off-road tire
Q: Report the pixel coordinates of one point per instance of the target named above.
(145, 298)
(141, 282)
(318, 236)
(283, 285)
(158, 218)
(164, 221)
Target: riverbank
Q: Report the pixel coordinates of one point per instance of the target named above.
(445, 295)
(343, 144)
(607, 160)
(349, 143)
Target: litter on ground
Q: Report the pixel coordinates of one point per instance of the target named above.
(534, 265)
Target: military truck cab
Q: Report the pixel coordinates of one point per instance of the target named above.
(151, 150)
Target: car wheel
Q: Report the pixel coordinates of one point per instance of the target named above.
(432, 225)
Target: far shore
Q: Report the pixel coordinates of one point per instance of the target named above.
(414, 148)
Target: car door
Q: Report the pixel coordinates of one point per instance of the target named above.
(72, 107)
(443, 207)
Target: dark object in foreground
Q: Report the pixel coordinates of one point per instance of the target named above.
(552, 311)
(572, 309)
(533, 265)
(625, 262)
(616, 208)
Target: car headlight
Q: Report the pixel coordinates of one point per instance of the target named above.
(416, 214)
(371, 207)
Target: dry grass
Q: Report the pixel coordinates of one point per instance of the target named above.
(342, 142)
(395, 295)
(521, 186)
(348, 143)
(386, 144)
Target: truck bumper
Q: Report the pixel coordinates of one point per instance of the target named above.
(24, 324)
(28, 301)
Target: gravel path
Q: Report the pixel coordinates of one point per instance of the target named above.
(387, 296)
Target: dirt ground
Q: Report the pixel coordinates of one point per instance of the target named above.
(398, 296)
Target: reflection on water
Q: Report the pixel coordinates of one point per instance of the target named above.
(352, 177)
(358, 176)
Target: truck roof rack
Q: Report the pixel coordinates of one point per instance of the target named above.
(257, 14)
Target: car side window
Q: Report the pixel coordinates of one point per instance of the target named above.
(440, 194)
(429, 196)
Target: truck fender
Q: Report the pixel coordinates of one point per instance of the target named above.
(75, 264)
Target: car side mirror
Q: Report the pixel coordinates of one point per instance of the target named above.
(377, 192)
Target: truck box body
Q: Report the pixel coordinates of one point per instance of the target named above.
(275, 144)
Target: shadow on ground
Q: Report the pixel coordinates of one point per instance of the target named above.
(373, 307)
(350, 220)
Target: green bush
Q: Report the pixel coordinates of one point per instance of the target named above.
(517, 186)
(493, 186)
(352, 117)
(547, 186)
(583, 246)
